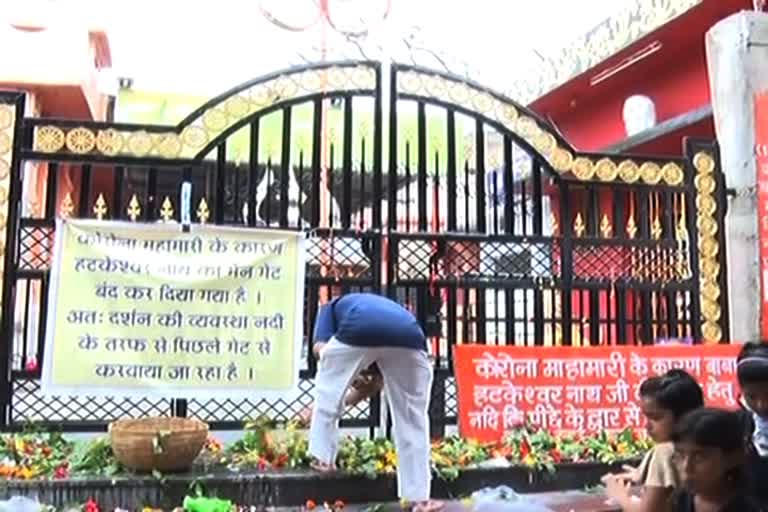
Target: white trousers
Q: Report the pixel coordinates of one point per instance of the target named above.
(407, 381)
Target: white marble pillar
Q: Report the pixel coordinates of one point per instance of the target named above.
(737, 60)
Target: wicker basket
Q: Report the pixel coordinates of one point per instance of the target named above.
(162, 444)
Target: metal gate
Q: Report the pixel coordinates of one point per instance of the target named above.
(453, 199)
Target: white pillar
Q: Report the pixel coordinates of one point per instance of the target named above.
(737, 59)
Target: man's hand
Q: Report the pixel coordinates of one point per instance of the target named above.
(317, 349)
(368, 384)
(363, 387)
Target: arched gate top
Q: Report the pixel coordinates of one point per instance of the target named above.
(192, 138)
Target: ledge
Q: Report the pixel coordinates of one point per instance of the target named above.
(288, 488)
(660, 130)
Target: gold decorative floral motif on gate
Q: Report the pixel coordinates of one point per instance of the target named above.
(188, 139)
(7, 130)
(705, 184)
(501, 110)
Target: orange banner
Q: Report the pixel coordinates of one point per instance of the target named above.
(586, 389)
(761, 152)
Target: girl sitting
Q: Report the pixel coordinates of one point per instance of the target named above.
(663, 401)
(709, 455)
(752, 374)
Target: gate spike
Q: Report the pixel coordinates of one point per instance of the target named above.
(134, 208)
(578, 225)
(67, 206)
(606, 228)
(656, 229)
(166, 210)
(631, 226)
(202, 211)
(100, 208)
(682, 230)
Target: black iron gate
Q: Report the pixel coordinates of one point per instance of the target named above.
(478, 216)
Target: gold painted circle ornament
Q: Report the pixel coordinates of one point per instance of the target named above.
(286, 88)
(458, 92)
(629, 171)
(561, 160)
(435, 86)
(706, 204)
(705, 183)
(194, 137)
(710, 289)
(309, 80)
(168, 145)
(49, 139)
(709, 268)
(214, 119)
(545, 143)
(527, 127)
(483, 102)
(706, 225)
(139, 143)
(583, 169)
(5, 143)
(81, 140)
(5, 169)
(704, 163)
(606, 170)
(261, 95)
(109, 142)
(236, 106)
(337, 77)
(708, 245)
(7, 115)
(508, 112)
(711, 332)
(710, 309)
(409, 82)
(673, 174)
(650, 172)
(364, 77)
(3, 194)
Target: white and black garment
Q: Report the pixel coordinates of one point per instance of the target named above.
(760, 435)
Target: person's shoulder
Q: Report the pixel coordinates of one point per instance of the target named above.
(663, 451)
(747, 422)
(660, 469)
(664, 448)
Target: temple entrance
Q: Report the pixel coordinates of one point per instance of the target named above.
(453, 199)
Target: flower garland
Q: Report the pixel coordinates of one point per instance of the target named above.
(267, 445)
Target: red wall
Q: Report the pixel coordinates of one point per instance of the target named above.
(596, 121)
(675, 77)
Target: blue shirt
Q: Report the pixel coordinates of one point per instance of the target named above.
(368, 320)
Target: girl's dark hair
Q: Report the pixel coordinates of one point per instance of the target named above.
(674, 391)
(712, 428)
(715, 428)
(752, 363)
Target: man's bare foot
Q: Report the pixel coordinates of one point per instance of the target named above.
(322, 467)
(428, 506)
